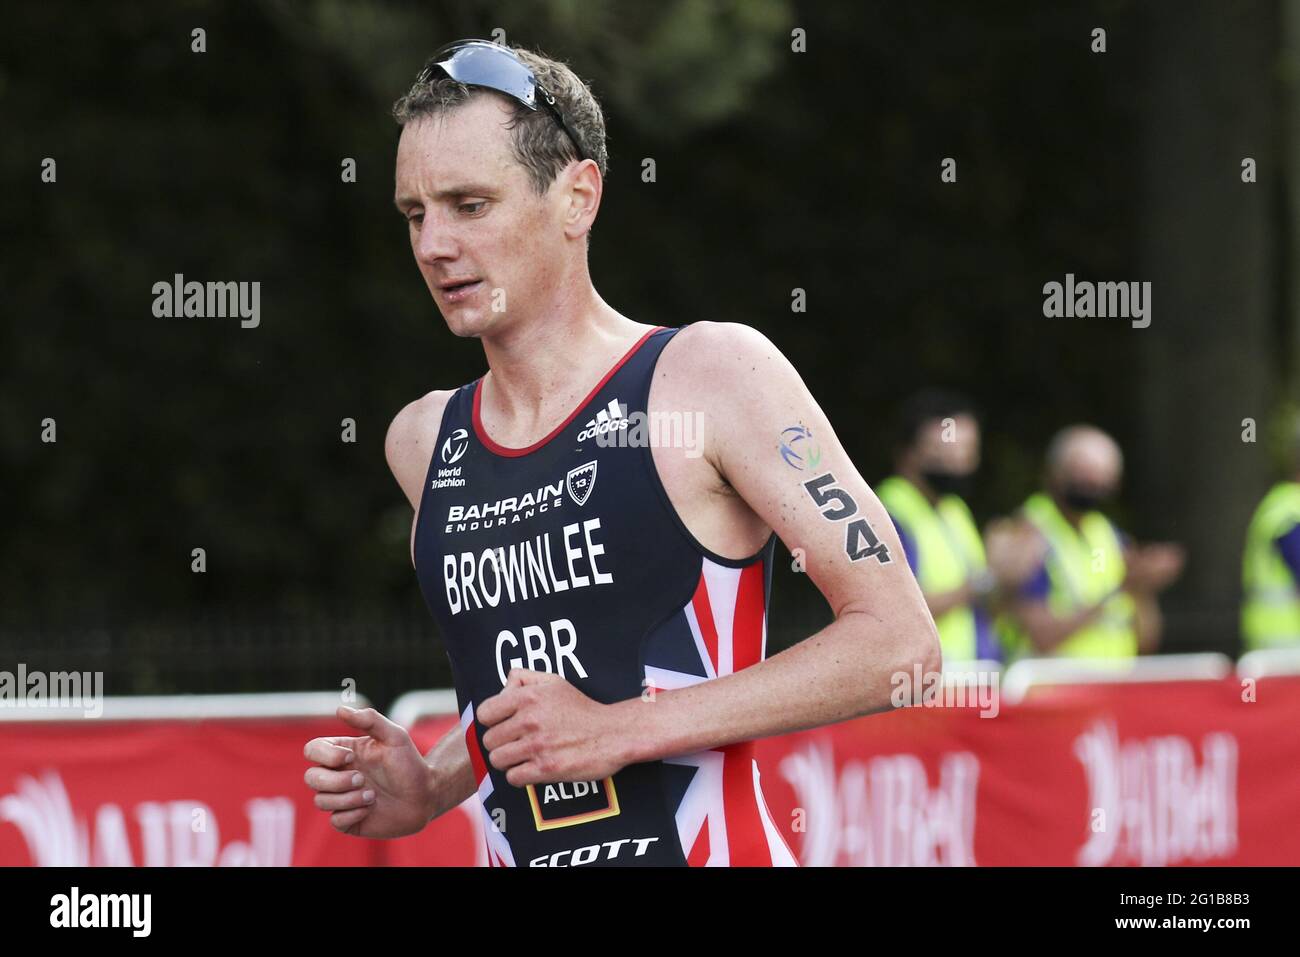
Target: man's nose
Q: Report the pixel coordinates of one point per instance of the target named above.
(437, 240)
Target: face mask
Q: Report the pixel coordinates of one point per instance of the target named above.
(948, 483)
(1083, 499)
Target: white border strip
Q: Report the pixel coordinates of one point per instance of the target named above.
(1035, 672)
(975, 671)
(1268, 662)
(414, 705)
(193, 707)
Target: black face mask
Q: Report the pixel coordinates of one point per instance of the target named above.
(949, 483)
(1083, 499)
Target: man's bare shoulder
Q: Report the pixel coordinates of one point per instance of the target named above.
(417, 417)
(411, 437)
(712, 358)
(722, 368)
(727, 373)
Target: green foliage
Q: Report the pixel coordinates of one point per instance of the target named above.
(775, 170)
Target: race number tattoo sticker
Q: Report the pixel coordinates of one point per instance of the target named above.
(837, 505)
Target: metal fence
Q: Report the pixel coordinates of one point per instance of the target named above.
(228, 654)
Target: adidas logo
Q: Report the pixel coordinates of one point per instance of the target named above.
(607, 420)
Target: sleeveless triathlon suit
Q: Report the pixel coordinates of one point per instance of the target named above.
(567, 557)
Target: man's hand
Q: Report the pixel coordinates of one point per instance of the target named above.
(378, 785)
(1014, 549)
(1152, 568)
(543, 730)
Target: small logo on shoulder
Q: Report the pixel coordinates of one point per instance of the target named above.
(581, 481)
(457, 444)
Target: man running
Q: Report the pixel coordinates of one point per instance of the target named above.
(603, 597)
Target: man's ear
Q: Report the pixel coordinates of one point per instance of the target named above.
(584, 192)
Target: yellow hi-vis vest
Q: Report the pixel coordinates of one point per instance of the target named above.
(949, 551)
(1084, 565)
(1270, 610)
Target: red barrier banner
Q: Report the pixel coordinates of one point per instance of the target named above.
(1176, 773)
(1167, 774)
(1125, 774)
(166, 793)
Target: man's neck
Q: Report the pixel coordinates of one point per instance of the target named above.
(914, 476)
(1069, 514)
(542, 367)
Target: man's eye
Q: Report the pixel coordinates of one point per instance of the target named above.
(471, 208)
(416, 218)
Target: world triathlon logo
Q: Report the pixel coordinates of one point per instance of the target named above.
(456, 445)
(798, 450)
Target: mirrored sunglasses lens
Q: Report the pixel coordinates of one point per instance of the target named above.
(481, 66)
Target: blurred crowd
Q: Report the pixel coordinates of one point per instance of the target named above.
(1058, 577)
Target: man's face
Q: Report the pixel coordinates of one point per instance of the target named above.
(472, 214)
(1090, 468)
(949, 446)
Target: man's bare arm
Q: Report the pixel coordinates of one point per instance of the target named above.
(409, 446)
(942, 602)
(1148, 622)
(882, 626)
(1045, 629)
(452, 777)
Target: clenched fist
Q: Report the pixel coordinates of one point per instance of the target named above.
(375, 785)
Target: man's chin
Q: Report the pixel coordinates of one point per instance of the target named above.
(467, 324)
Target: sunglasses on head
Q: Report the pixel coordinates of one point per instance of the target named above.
(493, 67)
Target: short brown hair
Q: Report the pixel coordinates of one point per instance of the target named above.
(540, 145)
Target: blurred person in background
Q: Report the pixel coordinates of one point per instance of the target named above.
(937, 453)
(1093, 593)
(1270, 611)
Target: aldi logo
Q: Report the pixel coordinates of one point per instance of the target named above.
(576, 802)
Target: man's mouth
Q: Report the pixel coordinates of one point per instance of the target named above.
(458, 291)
